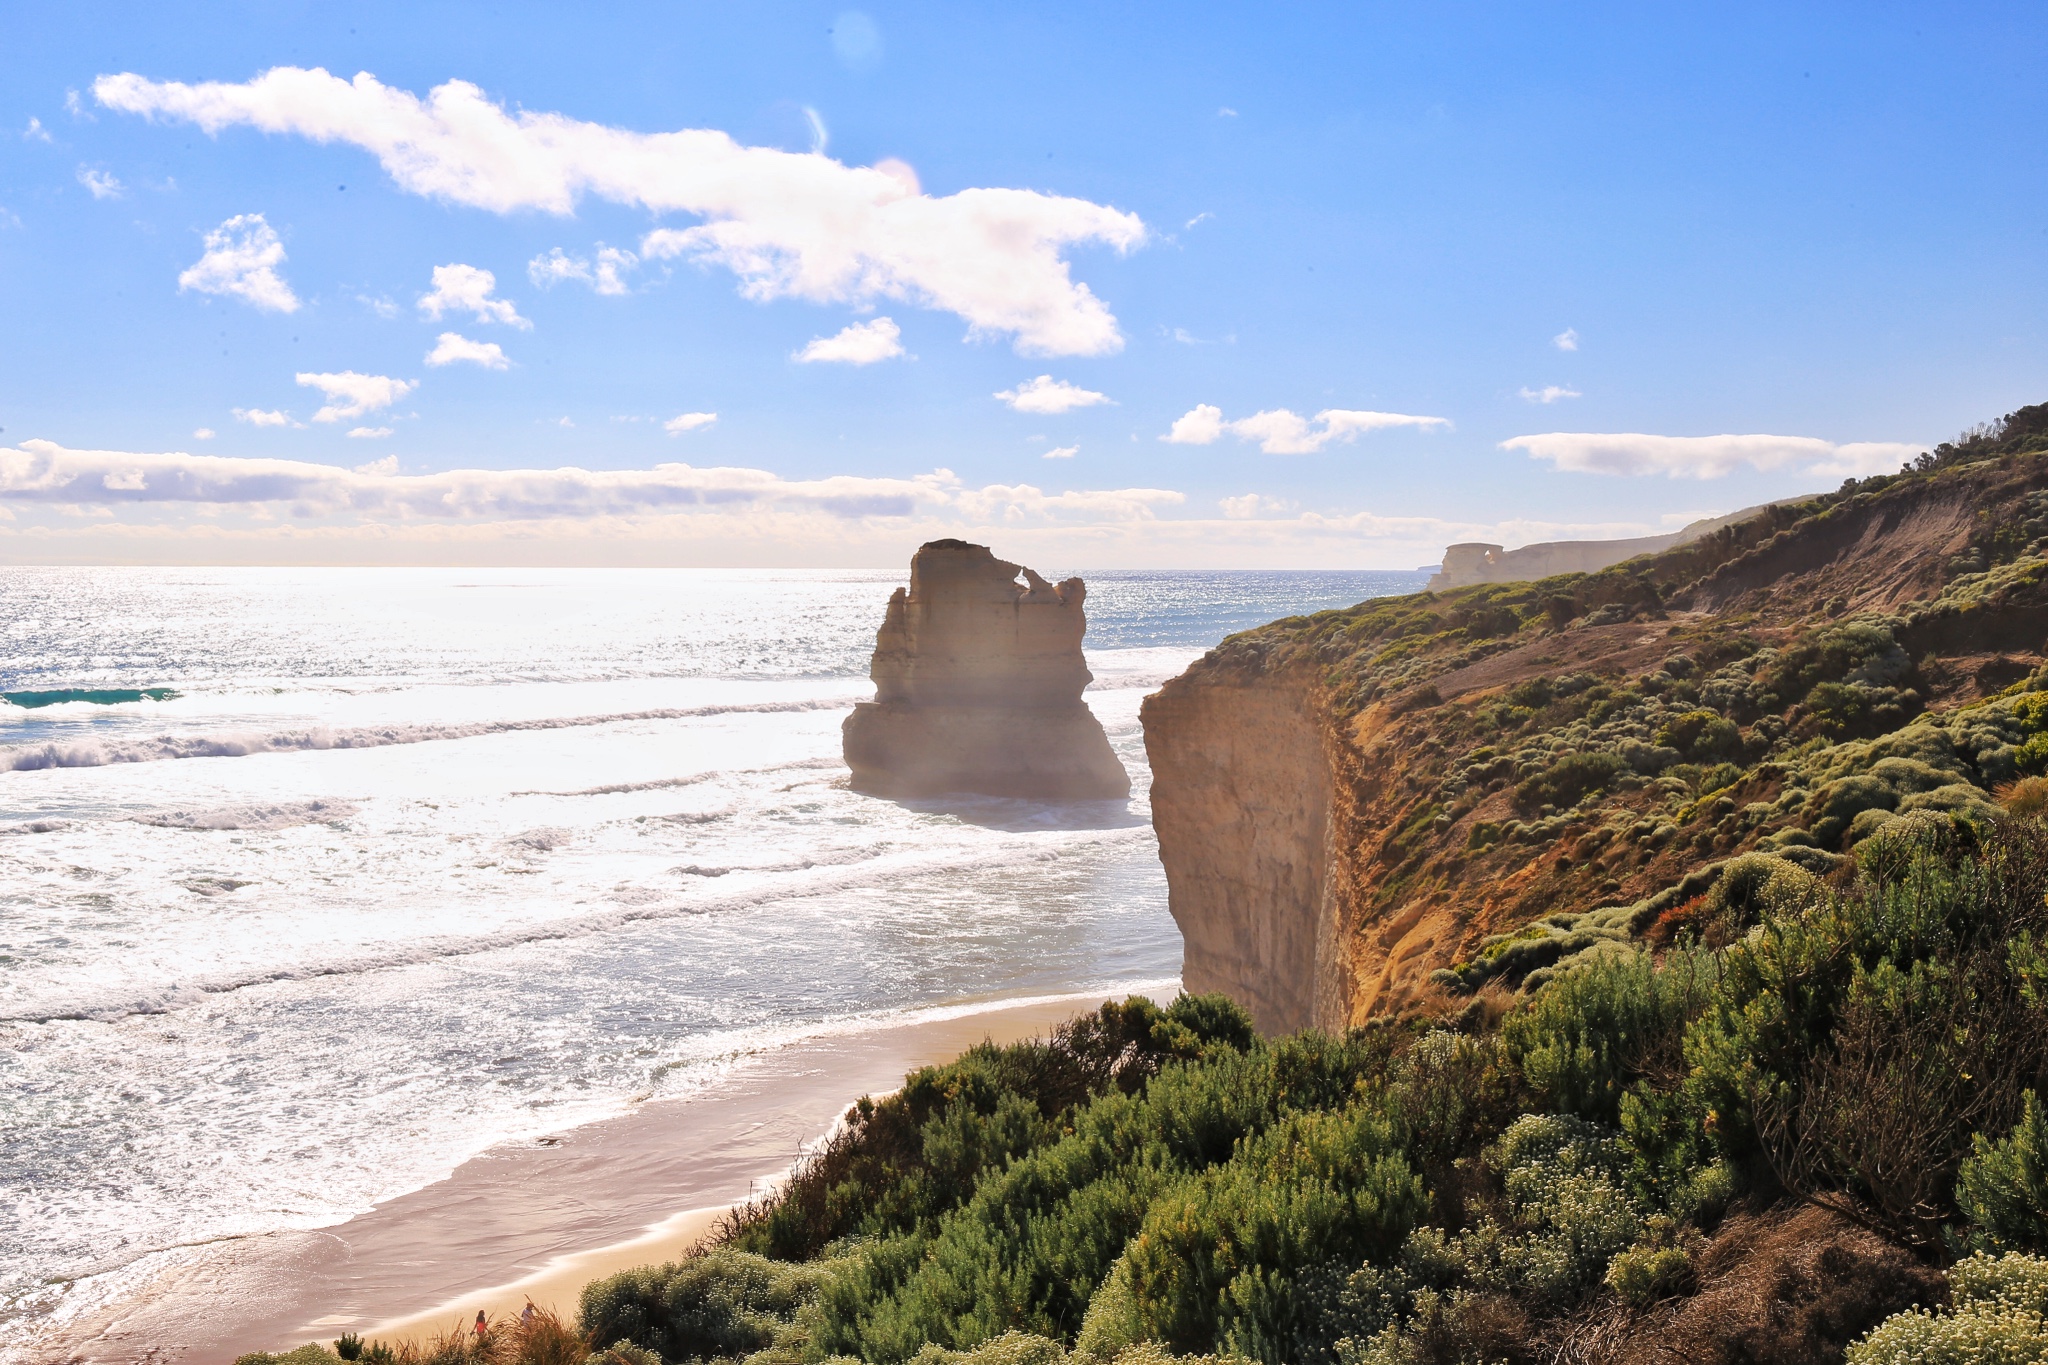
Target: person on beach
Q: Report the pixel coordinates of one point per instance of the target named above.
(526, 1314)
(482, 1328)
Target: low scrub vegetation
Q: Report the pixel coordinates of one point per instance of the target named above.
(1155, 1183)
(1859, 1062)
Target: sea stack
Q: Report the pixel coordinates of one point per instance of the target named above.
(978, 684)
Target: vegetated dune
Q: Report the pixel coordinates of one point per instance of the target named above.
(1363, 810)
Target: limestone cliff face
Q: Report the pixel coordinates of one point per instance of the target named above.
(978, 683)
(1242, 788)
(1369, 811)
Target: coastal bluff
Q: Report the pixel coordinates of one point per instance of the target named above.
(1388, 809)
(978, 682)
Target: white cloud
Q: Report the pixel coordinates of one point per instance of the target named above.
(260, 418)
(1199, 426)
(1282, 432)
(1549, 393)
(1226, 112)
(1709, 457)
(76, 106)
(352, 395)
(468, 288)
(241, 260)
(204, 433)
(564, 422)
(688, 421)
(46, 473)
(605, 277)
(1567, 340)
(102, 185)
(386, 466)
(1062, 453)
(1250, 505)
(1048, 395)
(1199, 218)
(862, 343)
(35, 132)
(369, 433)
(451, 347)
(381, 306)
(789, 225)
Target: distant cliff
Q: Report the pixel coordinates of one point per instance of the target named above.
(1364, 810)
(1475, 562)
(978, 683)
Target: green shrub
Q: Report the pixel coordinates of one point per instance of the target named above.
(312, 1353)
(1218, 1260)
(1996, 1317)
(1568, 781)
(2003, 1187)
(1599, 1028)
(721, 1303)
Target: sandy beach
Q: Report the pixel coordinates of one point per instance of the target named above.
(537, 1219)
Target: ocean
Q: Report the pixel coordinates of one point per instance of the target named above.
(316, 883)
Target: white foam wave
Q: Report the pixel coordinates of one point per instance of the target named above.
(283, 815)
(795, 880)
(161, 748)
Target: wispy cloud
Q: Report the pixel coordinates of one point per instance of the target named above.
(605, 276)
(465, 288)
(1248, 505)
(1198, 218)
(863, 343)
(452, 348)
(35, 132)
(1062, 453)
(789, 225)
(99, 183)
(1549, 393)
(369, 434)
(352, 395)
(204, 434)
(1048, 395)
(1567, 340)
(688, 421)
(1282, 432)
(1709, 457)
(260, 417)
(241, 261)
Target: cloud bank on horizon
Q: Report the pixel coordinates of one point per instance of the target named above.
(787, 224)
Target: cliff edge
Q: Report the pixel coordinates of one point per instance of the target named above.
(1364, 811)
(978, 683)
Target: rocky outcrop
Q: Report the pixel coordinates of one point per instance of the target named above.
(978, 682)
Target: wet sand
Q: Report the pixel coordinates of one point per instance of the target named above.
(536, 1219)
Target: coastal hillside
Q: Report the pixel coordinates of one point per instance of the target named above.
(1421, 799)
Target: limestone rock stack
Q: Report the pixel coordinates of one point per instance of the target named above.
(978, 683)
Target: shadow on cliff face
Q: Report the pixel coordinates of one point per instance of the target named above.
(1021, 815)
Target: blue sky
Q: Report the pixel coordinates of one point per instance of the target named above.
(1450, 228)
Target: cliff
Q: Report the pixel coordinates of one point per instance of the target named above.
(1476, 562)
(1365, 811)
(978, 683)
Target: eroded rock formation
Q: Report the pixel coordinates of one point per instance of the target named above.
(978, 682)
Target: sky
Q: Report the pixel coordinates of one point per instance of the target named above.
(1144, 285)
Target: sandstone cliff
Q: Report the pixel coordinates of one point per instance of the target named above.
(1363, 811)
(978, 683)
(1476, 562)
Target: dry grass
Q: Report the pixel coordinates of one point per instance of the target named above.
(2027, 798)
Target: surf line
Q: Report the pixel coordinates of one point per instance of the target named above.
(164, 748)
